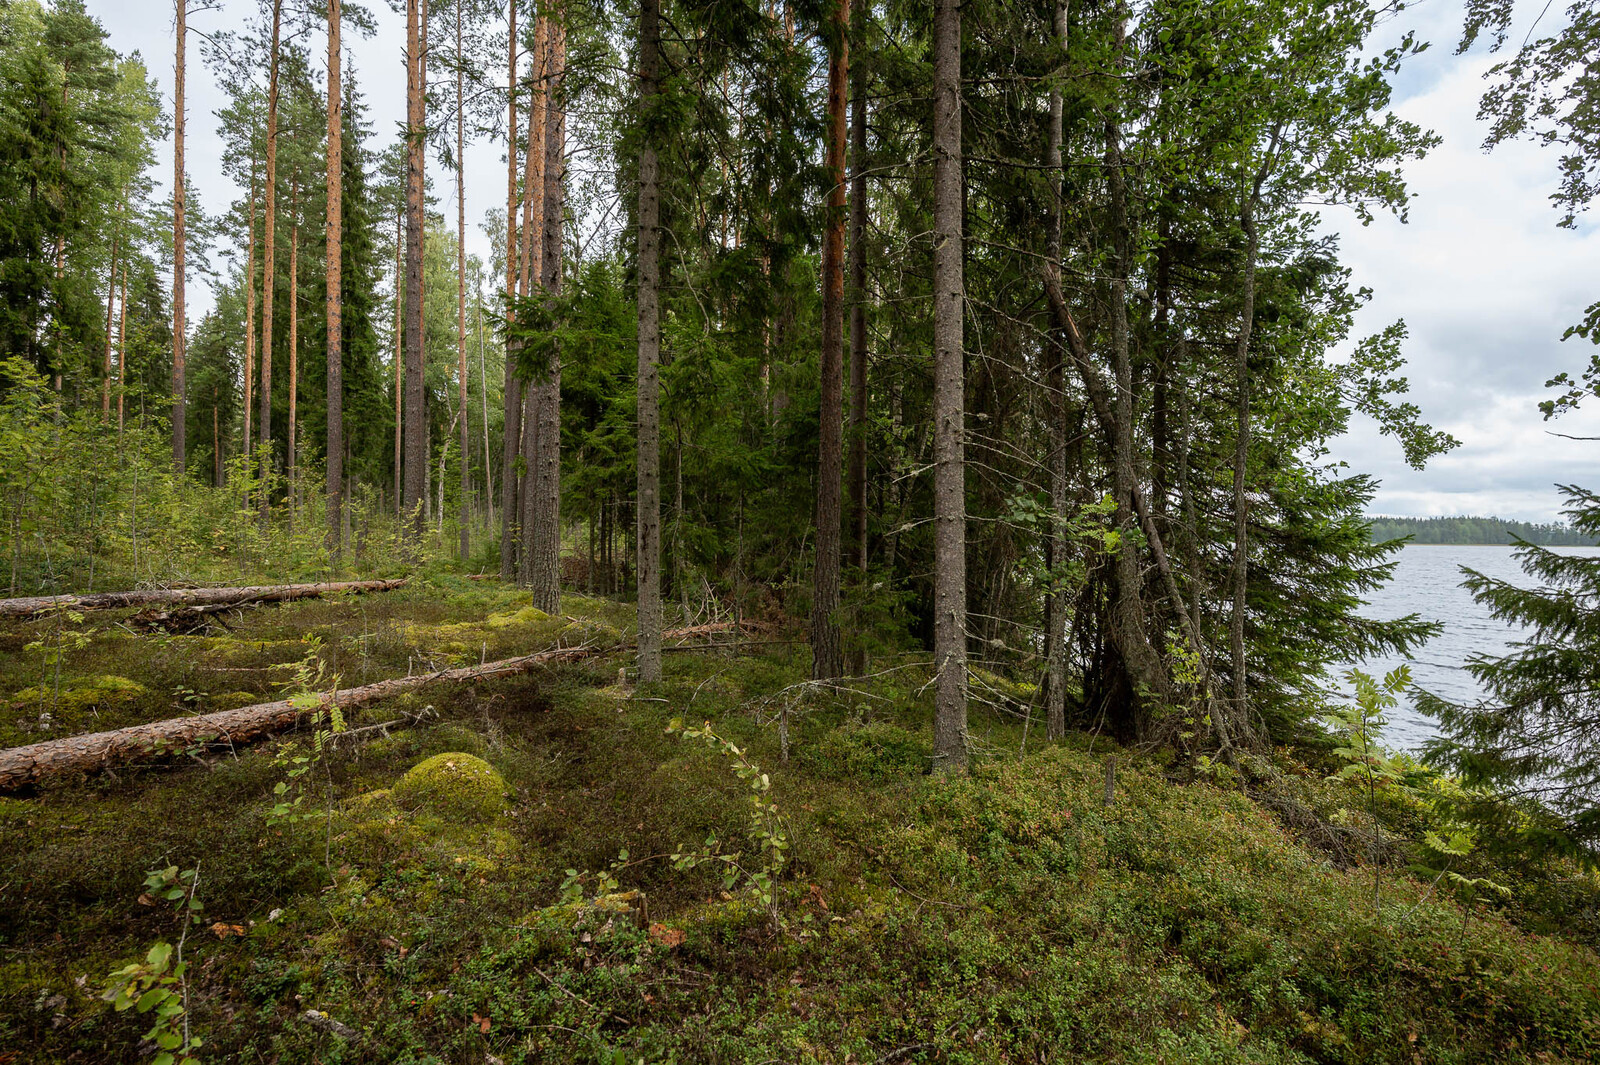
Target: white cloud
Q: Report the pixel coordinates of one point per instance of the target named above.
(1487, 283)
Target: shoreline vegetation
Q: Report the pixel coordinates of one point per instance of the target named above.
(1470, 530)
(512, 870)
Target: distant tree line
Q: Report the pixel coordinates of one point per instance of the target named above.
(1473, 530)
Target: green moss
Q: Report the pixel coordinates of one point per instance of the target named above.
(83, 693)
(528, 615)
(453, 786)
(602, 910)
(234, 700)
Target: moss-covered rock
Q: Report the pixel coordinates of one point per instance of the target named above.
(453, 786)
(234, 700)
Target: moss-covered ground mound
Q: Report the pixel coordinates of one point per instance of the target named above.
(498, 883)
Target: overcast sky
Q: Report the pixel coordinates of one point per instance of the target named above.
(1481, 274)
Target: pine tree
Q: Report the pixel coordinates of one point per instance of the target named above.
(826, 658)
(949, 300)
(649, 326)
(333, 263)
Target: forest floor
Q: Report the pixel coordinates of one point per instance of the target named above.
(532, 911)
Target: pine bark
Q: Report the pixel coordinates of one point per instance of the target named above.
(415, 482)
(399, 359)
(1056, 399)
(461, 293)
(269, 262)
(530, 258)
(292, 456)
(545, 555)
(111, 306)
(856, 470)
(483, 394)
(827, 660)
(122, 350)
(509, 500)
(649, 330)
(949, 476)
(334, 297)
(250, 323)
(179, 248)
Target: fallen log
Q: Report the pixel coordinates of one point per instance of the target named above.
(22, 766)
(33, 606)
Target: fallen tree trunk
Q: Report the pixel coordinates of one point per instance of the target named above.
(33, 606)
(22, 766)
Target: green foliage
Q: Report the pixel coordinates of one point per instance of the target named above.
(876, 752)
(304, 692)
(1359, 725)
(765, 828)
(159, 985)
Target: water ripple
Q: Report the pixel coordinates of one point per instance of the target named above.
(1427, 581)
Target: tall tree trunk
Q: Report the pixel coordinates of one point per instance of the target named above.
(461, 291)
(399, 361)
(416, 421)
(179, 247)
(530, 247)
(513, 385)
(949, 401)
(268, 261)
(649, 266)
(250, 325)
(122, 351)
(856, 471)
(530, 257)
(483, 382)
(334, 297)
(827, 661)
(292, 457)
(545, 557)
(1055, 600)
(111, 305)
(216, 442)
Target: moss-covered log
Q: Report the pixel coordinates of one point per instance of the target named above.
(33, 606)
(22, 766)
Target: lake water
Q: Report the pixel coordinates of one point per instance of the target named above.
(1427, 581)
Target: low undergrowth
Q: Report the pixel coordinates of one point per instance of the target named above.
(498, 884)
